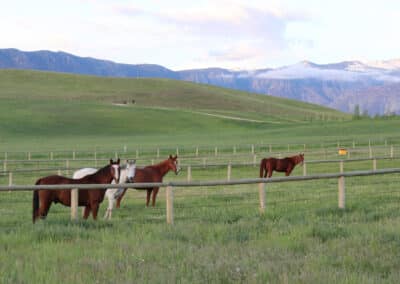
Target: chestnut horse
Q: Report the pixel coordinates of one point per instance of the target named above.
(88, 198)
(286, 165)
(153, 173)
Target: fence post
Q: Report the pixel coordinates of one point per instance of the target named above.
(5, 165)
(170, 205)
(261, 194)
(152, 161)
(370, 151)
(158, 152)
(341, 166)
(197, 151)
(234, 149)
(189, 173)
(74, 204)
(342, 196)
(67, 167)
(177, 151)
(73, 155)
(391, 151)
(254, 160)
(229, 172)
(304, 169)
(374, 164)
(270, 148)
(216, 151)
(29, 156)
(252, 149)
(59, 172)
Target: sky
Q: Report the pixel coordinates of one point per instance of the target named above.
(236, 34)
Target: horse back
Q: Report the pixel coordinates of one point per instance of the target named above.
(54, 179)
(279, 165)
(147, 174)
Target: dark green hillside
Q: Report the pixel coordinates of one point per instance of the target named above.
(56, 110)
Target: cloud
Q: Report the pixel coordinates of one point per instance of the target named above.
(236, 53)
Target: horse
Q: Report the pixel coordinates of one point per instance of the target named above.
(267, 166)
(88, 198)
(112, 194)
(153, 173)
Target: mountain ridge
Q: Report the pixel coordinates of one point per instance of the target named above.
(373, 86)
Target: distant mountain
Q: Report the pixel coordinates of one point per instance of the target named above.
(374, 86)
(68, 63)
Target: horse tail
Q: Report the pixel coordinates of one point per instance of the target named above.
(35, 202)
(262, 167)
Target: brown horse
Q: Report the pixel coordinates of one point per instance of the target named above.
(88, 198)
(153, 173)
(286, 165)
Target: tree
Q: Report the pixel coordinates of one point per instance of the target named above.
(356, 113)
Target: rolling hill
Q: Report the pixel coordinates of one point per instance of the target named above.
(42, 105)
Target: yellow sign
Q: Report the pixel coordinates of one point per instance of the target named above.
(342, 151)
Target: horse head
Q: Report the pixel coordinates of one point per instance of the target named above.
(130, 170)
(173, 164)
(301, 158)
(115, 170)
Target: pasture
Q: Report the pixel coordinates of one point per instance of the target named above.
(218, 234)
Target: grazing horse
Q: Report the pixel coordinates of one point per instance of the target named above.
(112, 194)
(153, 173)
(280, 165)
(88, 198)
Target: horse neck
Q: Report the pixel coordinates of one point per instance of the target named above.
(101, 176)
(162, 168)
(296, 159)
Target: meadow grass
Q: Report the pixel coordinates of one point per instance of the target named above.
(219, 235)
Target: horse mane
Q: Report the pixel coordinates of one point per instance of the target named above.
(101, 170)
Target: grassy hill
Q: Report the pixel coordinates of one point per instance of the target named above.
(64, 110)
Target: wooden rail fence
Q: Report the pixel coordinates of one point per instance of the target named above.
(171, 185)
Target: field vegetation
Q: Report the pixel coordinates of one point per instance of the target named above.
(219, 235)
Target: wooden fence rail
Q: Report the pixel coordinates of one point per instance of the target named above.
(170, 185)
(210, 151)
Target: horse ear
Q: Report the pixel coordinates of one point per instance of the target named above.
(176, 157)
(111, 161)
(118, 161)
(170, 156)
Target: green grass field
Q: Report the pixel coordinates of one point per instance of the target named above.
(219, 235)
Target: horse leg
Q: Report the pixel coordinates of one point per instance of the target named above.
(289, 170)
(120, 197)
(148, 196)
(155, 191)
(95, 209)
(111, 200)
(44, 208)
(86, 212)
(269, 173)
